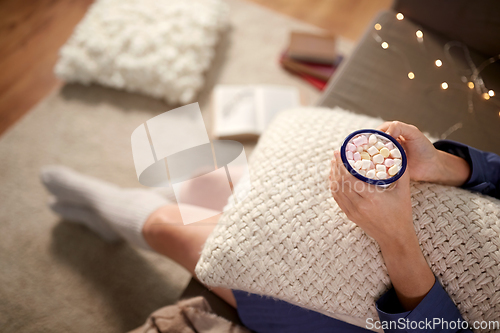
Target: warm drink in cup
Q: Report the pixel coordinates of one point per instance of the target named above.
(373, 157)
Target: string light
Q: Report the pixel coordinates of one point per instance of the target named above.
(475, 79)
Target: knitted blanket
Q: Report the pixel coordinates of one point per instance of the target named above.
(289, 239)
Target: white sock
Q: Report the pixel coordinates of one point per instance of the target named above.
(123, 211)
(87, 217)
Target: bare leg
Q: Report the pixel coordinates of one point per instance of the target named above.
(166, 234)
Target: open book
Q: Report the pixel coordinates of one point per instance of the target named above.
(243, 112)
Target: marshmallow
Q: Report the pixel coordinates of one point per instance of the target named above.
(370, 174)
(372, 151)
(365, 156)
(350, 147)
(381, 175)
(378, 159)
(360, 140)
(372, 139)
(393, 170)
(395, 153)
(385, 152)
(373, 156)
(389, 162)
(365, 164)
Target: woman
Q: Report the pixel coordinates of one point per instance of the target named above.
(146, 219)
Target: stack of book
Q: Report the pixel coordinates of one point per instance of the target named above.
(313, 57)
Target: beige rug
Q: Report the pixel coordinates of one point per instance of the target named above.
(60, 277)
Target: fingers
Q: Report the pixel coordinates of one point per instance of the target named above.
(384, 126)
(345, 181)
(338, 187)
(344, 203)
(404, 181)
(397, 129)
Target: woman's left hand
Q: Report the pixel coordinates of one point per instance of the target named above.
(384, 214)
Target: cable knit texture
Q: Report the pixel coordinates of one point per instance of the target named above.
(289, 239)
(160, 48)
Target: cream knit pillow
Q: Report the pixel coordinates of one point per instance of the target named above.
(160, 48)
(290, 240)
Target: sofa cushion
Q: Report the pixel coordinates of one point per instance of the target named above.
(374, 81)
(289, 239)
(158, 48)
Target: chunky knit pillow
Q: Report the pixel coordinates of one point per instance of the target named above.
(290, 240)
(160, 48)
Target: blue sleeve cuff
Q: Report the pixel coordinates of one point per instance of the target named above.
(485, 167)
(435, 313)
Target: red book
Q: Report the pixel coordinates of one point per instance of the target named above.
(316, 74)
(319, 71)
(319, 84)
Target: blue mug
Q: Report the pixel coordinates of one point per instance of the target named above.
(378, 182)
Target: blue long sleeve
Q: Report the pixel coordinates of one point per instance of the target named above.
(485, 167)
(437, 312)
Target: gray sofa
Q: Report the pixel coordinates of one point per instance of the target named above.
(375, 81)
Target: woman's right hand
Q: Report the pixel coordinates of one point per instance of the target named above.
(426, 163)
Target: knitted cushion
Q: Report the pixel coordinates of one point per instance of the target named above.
(289, 239)
(159, 48)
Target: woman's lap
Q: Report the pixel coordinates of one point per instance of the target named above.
(264, 314)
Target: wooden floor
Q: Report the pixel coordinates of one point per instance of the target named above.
(32, 31)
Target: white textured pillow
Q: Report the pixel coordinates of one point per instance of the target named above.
(160, 48)
(290, 240)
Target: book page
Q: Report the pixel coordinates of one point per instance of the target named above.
(235, 110)
(272, 100)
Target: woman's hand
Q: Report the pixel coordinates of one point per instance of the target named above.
(386, 216)
(425, 162)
